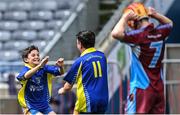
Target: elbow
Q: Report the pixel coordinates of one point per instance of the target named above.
(117, 35)
(171, 23)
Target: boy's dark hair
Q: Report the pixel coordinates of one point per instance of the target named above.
(87, 38)
(28, 50)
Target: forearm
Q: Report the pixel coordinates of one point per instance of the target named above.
(119, 29)
(62, 70)
(162, 19)
(32, 71)
(65, 88)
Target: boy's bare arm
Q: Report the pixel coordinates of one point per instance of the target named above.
(66, 88)
(119, 29)
(60, 63)
(32, 71)
(161, 18)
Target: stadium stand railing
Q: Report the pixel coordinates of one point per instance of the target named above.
(172, 78)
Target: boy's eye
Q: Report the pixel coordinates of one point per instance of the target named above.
(33, 55)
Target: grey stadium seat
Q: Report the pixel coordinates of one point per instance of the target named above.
(1, 46)
(54, 24)
(9, 55)
(24, 35)
(1, 16)
(3, 6)
(9, 25)
(45, 5)
(32, 25)
(15, 45)
(40, 43)
(20, 5)
(41, 15)
(15, 15)
(46, 34)
(62, 14)
(5, 35)
(63, 4)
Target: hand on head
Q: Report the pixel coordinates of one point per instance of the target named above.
(130, 15)
(151, 11)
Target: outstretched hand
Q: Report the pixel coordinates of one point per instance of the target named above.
(44, 61)
(60, 62)
(61, 91)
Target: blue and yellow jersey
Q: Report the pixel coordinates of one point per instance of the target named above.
(36, 91)
(90, 73)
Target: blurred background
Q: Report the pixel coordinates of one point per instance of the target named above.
(52, 26)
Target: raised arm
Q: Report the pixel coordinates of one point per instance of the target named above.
(32, 71)
(119, 29)
(161, 18)
(60, 63)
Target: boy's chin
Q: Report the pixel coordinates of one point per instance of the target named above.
(35, 64)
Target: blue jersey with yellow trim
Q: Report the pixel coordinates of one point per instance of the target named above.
(36, 91)
(90, 73)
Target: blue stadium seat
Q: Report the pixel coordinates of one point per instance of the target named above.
(24, 35)
(15, 15)
(9, 25)
(32, 25)
(46, 34)
(54, 24)
(41, 15)
(15, 45)
(5, 35)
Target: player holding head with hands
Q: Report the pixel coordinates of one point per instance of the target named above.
(35, 77)
(147, 44)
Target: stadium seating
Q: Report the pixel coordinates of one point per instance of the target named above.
(25, 22)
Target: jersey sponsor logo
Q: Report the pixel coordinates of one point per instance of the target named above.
(154, 36)
(34, 88)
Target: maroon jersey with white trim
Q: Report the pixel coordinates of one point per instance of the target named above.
(148, 44)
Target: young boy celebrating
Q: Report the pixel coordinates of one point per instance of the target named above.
(147, 47)
(35, 77)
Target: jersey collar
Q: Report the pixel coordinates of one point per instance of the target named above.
(28, 65)
(89, 50)
(149, 27)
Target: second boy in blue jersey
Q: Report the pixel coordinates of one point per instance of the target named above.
(90, 73)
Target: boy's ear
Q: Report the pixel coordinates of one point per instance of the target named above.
(25, 60)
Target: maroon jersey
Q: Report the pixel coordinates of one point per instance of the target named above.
(147, 46)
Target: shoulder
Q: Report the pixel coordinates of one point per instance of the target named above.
(25, 68)
(164, 26)
(134, 32)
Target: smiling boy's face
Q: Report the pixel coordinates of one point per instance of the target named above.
(33, 58)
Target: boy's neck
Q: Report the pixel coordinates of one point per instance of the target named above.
(144, 23)
(30, 65)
